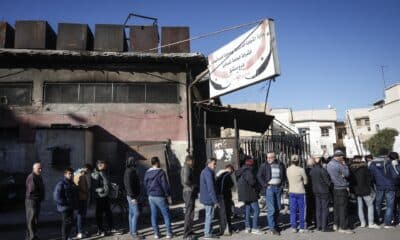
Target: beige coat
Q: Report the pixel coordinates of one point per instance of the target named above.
(297, 178)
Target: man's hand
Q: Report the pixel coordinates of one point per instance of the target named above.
(134, 201)
(169, 199)
(216, 205)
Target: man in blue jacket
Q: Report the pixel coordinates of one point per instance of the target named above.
(208, 197)
(272, 176)
(66, 197)
(339, 172)
(385, 174)
(158, 190)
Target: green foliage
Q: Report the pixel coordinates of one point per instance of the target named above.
(382, 142)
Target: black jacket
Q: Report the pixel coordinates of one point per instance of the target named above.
(264, 173)
(320, 179)
(65, 195)
(101, 184)
(34, 187)
(187, 178)
(360, 179)
(224, 184)
(248, 186)
(132, 182)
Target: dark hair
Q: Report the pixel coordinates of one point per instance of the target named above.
(357, 157)
(393, 156)
(101, 161)
(69, 169)
(88, 166)
(369, 156)
(230, 166)
(188, 158)
(212, 159)
(155, 160)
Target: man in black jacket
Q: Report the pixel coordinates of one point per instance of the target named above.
(224, 186)
(361, 184)
(132, 187)
(321, 184)
(33, 197)
(272, 176)
(102, 189)
(189, 196)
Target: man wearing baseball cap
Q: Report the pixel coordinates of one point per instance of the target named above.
(339, 172)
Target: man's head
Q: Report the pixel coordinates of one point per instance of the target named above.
(230, 168)
(311, 161)
(68, 173)
(295, 160)
(155, 162)
(212, 163)
(37, 168)
(87, 167)
(369, 158)
(130, 162)
(357, 158)
(270, 157)
(101, 165)
(189, 160)
(393, 156)
(339, 155)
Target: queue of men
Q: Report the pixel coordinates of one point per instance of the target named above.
(370, 181)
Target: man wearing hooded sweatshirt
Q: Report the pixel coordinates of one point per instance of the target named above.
(208, 196)
(339, 172)
(248, 190)
(224, 185)
(361, 183)
(158, 190)
(132, 187)
(272, 176)
(66, 197)
(385, 174)
(189, 196)
(394, 157)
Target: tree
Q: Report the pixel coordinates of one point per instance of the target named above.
(382, 142)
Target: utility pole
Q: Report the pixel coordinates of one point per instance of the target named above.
(383, 77)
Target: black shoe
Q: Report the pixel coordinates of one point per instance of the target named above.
(275, 232)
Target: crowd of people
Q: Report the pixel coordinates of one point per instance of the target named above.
(311, 189)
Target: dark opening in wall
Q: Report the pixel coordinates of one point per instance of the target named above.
(61, 158)
(16, 94)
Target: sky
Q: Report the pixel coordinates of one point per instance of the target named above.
(330, 51)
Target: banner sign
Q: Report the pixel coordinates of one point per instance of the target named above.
(249, 59)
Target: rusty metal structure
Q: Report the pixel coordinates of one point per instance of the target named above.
(6, 35)
(174, 34)
(110, 38)
(72, 36)
(34, 35)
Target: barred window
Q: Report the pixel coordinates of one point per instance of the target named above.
(111, 92)
(16, 94)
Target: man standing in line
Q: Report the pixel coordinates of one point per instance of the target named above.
(33, 197)
(81, 182)
(297, 178)
(66, 197)
(159, 193)
(272, 176)
(102, 189)
(339, 172)
(132, 187)
(189, 196)
(208, 196)
(224, 185)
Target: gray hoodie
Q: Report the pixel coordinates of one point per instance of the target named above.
(338, 173)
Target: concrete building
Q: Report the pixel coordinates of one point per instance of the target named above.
(368, 121)
(318, 124)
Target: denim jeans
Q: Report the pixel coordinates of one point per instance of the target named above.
(133, 216)
(322, 211)
(208, 221)
(256, 214)
(32, 208)
(369, 201)
(297, 209)
(389, 196)
(81, 215)
(190, 199)
(340, 205)
(273, 197)
(155, 204)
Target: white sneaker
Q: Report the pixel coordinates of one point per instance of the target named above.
(388, 227)
(374, 226)
(345, 231)
(256, 231)
(363, 225)
(335, 228)
(303, 231)
(247, 230)
(294, 230)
